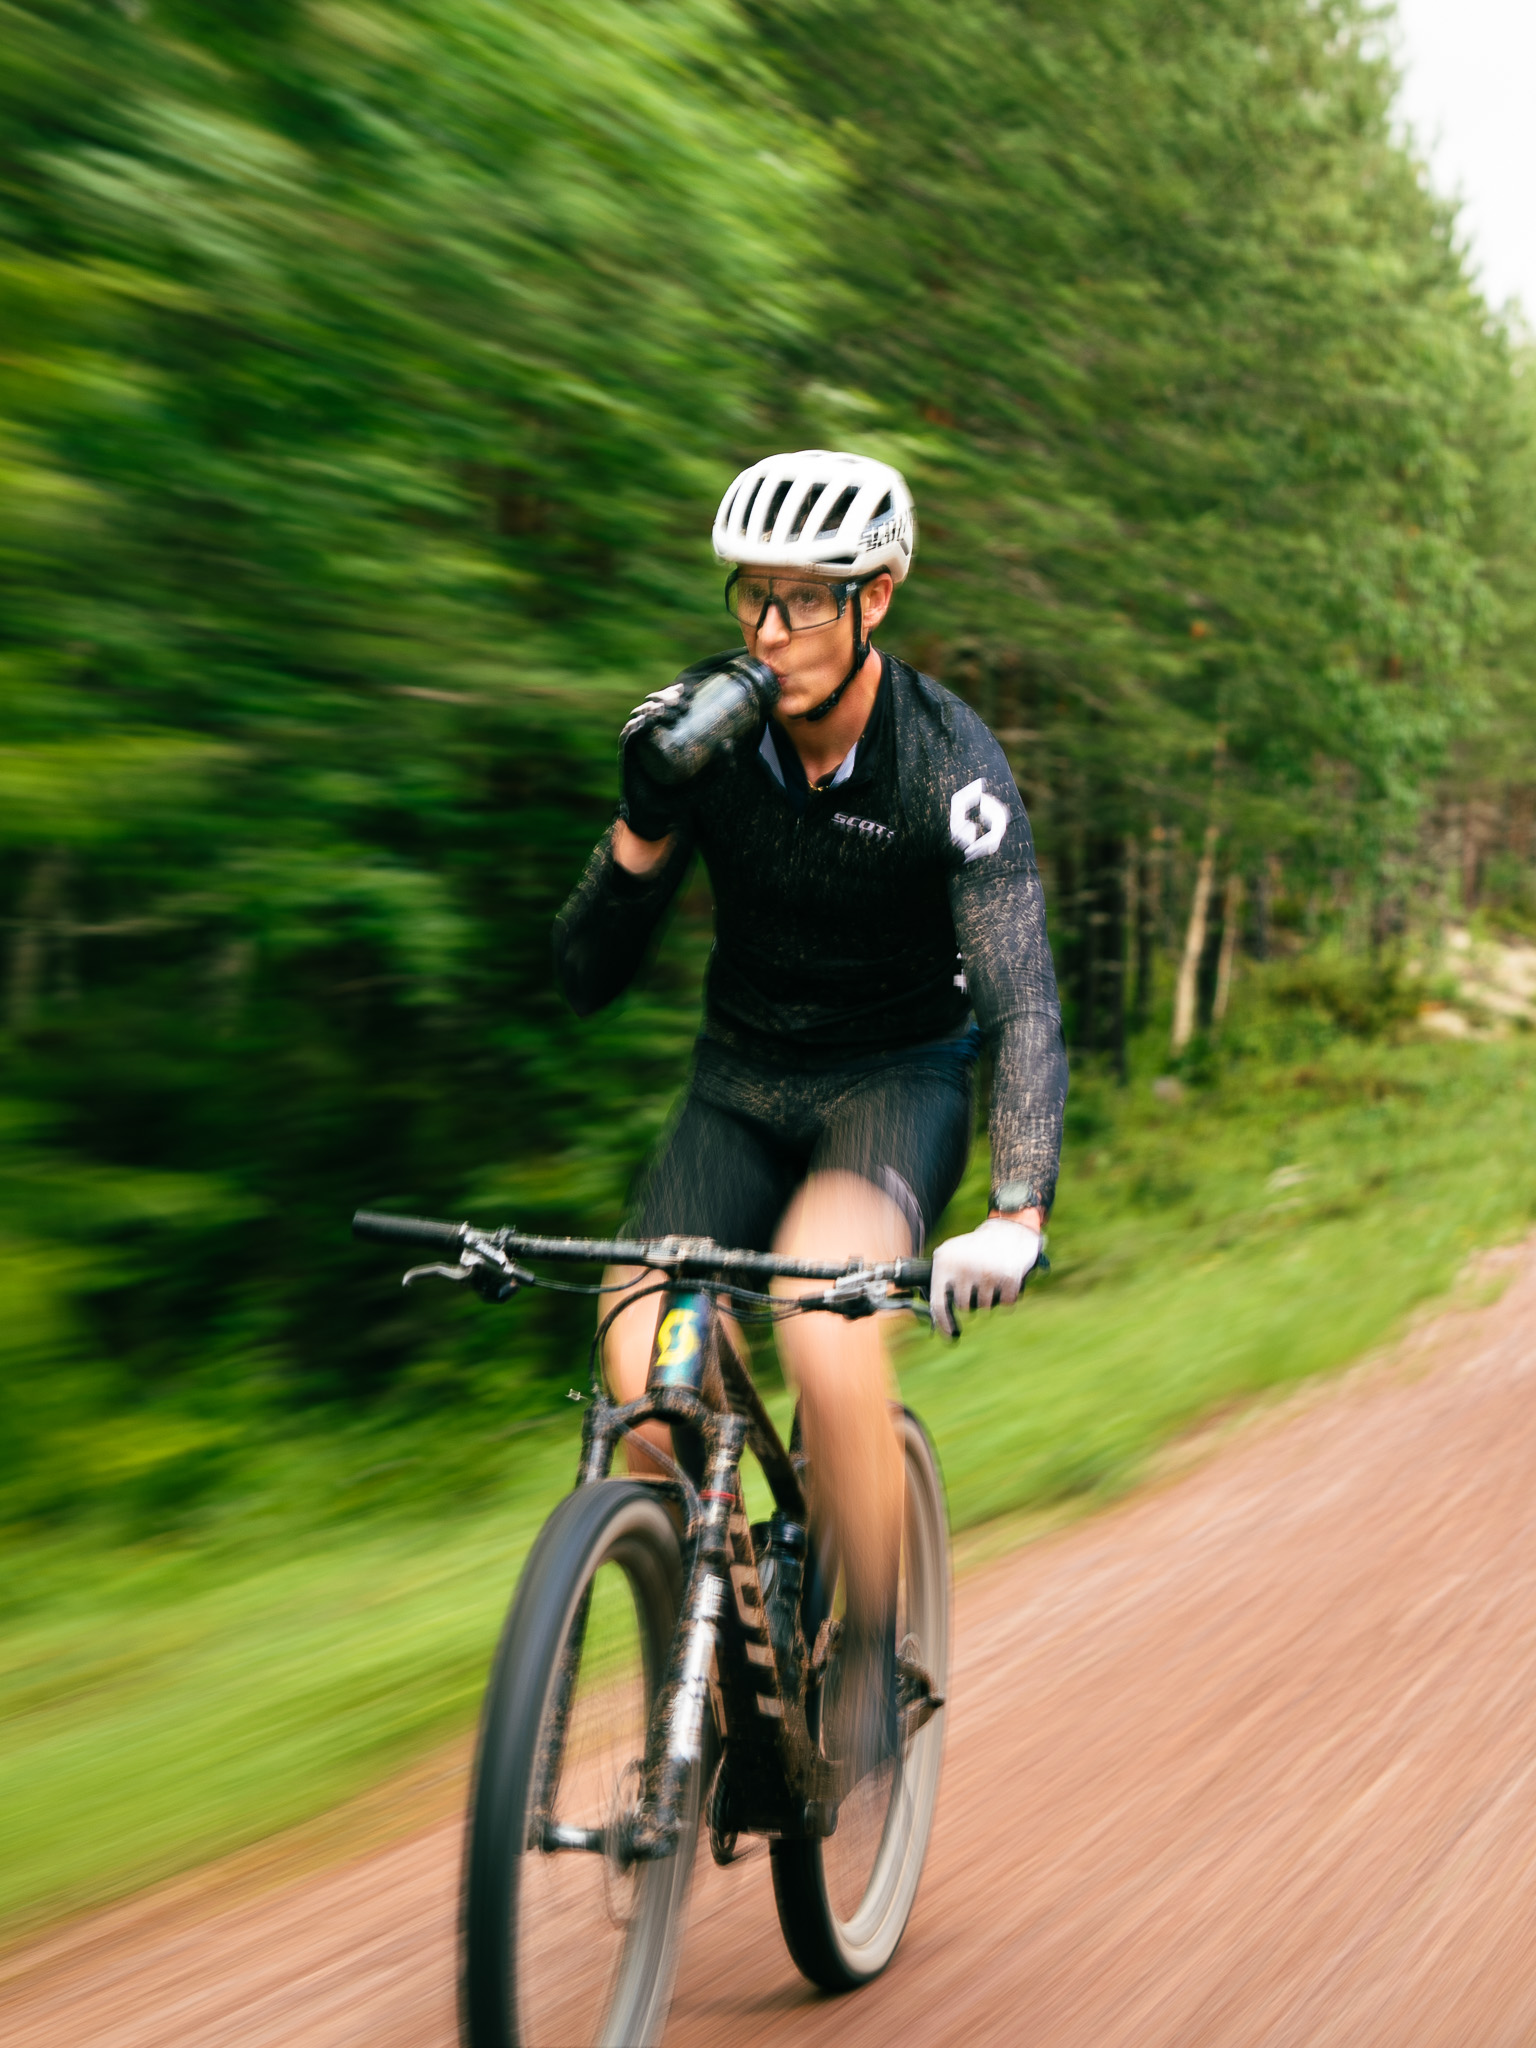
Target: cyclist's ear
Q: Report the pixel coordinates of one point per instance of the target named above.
(876, 600)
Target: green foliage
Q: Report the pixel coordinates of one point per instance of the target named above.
(1365, 997)
(1207, 1251)
(168, 1700)
(1198, 388)
(370, 372)
(370, 375)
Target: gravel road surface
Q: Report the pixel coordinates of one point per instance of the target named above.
(1251, 1759)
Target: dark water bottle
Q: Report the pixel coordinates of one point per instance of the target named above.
(728, 704)
(780, 1572)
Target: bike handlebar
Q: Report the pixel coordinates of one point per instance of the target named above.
(687, 1258)
(409, 1230)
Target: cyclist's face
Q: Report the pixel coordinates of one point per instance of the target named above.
(810, 656)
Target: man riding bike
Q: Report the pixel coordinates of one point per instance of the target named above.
(878, 917)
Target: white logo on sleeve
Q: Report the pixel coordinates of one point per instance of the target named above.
(977, 821)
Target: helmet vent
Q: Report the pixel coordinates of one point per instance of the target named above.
(806, 505)
(839, 512)
(881, 509)
(775, 505)
(746, 510)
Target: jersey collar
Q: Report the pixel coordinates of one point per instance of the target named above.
(788, 770)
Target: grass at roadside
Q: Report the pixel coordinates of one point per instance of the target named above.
(165, 1702)
(1240, 1241)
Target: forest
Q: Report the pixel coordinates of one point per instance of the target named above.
(370, 372)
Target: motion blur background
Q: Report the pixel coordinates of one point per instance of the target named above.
(368, 376)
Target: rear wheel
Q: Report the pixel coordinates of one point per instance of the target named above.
(844, 1900)
(563, 1941)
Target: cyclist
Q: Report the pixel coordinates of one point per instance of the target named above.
(878, 917)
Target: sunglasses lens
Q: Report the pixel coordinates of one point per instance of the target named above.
(802, 606)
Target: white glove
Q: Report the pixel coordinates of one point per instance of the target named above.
(981, 1269)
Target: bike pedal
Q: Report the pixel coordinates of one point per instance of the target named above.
(821, 1818)
(916, 1700)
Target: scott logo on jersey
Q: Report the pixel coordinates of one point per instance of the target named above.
(867, 828)
(977, 821)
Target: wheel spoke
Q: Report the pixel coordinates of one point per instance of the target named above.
(568, 1940)
(577, 1912)
(844, 1901)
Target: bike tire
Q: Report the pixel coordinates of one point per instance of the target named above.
(841, 1949)
(536, 1676)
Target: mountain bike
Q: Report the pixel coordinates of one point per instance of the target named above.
(667, 1667)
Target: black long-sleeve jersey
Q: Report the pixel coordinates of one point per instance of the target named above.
(869, 915)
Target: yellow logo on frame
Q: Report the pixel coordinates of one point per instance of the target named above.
(677, 1341)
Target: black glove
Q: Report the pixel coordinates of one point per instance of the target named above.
(647, 806)
(651, 807)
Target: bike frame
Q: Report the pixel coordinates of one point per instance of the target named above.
(722, 1651)
(722, 1654)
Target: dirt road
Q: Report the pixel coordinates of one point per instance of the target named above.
(1252, 1759)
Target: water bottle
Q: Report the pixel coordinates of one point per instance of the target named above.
(780, 1573)
(727, 705)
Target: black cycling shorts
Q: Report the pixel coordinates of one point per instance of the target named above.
(748, 1134)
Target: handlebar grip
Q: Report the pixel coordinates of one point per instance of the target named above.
(408, 1230)
(917, 1273)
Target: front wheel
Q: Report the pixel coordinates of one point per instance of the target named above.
(564, 1941)
(844, 1900)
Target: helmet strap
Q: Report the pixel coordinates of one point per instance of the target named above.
(860, 655)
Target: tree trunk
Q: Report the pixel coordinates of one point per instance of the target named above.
(1231, 906)
(1114, 876)
(1469, 858)
(1066, 946)
(1160, 884)
(1130, 903)
(1146, 939)
(1266, 887)
(1088, 921)
(37, 917)
(1194, 944)
(1098, 973)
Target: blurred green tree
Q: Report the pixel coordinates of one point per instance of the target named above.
(369, 376)
(1185, 359)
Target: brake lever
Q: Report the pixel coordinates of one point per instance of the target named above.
(486, 1267)
(456, 1274)
(856, 1296)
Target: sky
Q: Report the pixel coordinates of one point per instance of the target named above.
(1469, 95)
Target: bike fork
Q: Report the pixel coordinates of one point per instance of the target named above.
(675, 1747)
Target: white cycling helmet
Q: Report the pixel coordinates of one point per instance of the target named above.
(841, 515)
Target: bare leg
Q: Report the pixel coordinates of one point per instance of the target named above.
(845, 1385)
(627, 1359)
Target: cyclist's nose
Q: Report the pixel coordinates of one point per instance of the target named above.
(772, 632)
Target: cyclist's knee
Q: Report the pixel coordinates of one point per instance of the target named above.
(837, 1215)
(627, 1346)
(840, 1369)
